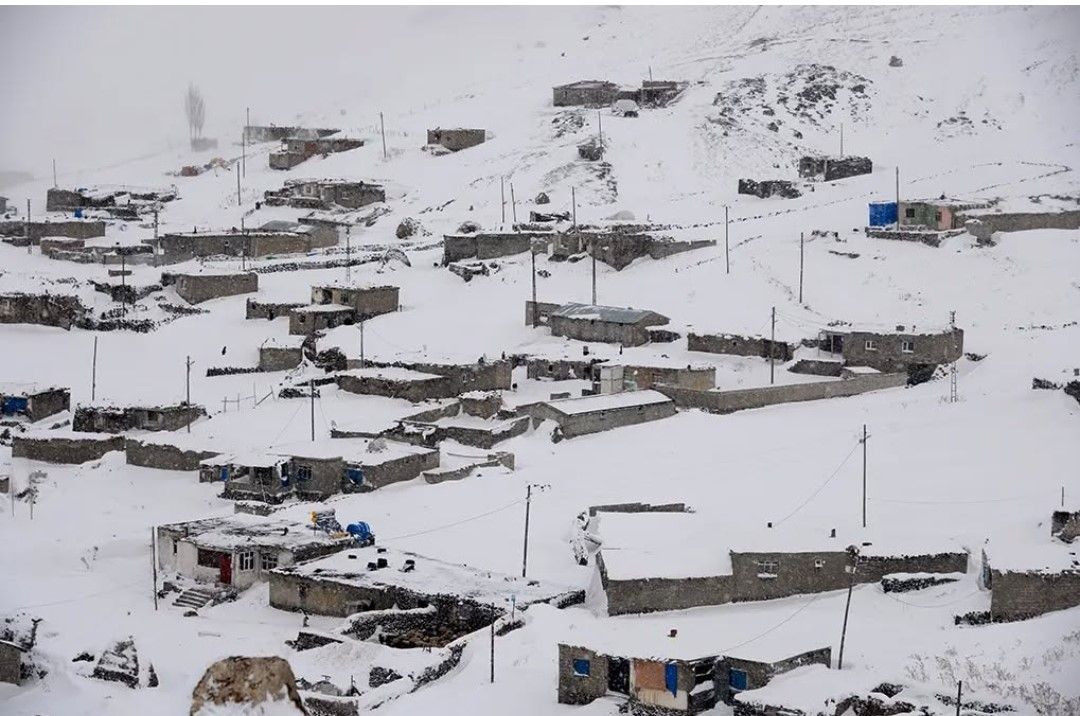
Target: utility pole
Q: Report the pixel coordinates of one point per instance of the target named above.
(348, 256)
(863, 441)
(54, 174)
(187, 383)
(123, 279)
(247, 129)
(898, 198)
(382, 131)
(153, 562)
(93, 374)
(525, 548)
(600, 127)
(532, 255)
(361, 344)
(592, 250)
(650, 73)
(841, 140)
(493, 645)
(954, 392)
(28, 242)
(772, 349)
(502, 199)
(847, 608)
(727, 247)
(959, 692)
(311, 382)
(801, 258)
(155, 234)
(513, 203)
(573, 204)
(238, 188)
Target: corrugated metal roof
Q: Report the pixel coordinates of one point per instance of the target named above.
(607, 314)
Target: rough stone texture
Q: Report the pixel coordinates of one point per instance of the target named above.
(456, 139)
(275, 358)
(252, 243)
(730, 401)
(367, 302)
(619, 250)
(40, 405)
(484, 246)
(45, 309)
(635, 377)
(599, 331)
(923, 236)
(388, 387)
(1065, 525)
(120, 663)
(305, 321)
(164, 457)
(759, 674)
(325, 194)
(198, 287)
(586, 93)
(463, 378)
(728, 344)
(984, 226)
(1022, 595)
(825, 368)
(246, 680)
(913, 582)
(108, 419)
(269, 310)
(64, 450)
(11, 663)
(768, 188)
(575, 689)
(600, 420)
(73, 229)
(833, 168)
(481, 405)
(888, 354)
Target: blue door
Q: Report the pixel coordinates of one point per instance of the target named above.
(223, 473)
(671, 678)
(737, 679)
(355, 475)
(14, 406)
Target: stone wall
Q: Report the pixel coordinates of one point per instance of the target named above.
(489, 245)
(930, 238)
(269, 309)
(575, 689)
(730, 401)
(64, 450)
(759, 674)
(1022, 595)
(401, 469)
(107, 419)
(11, 657)
(888, 354)
(73, 229)
(42, 405)
(600, 420)
(61, 311)
(181, 247)
(275, 358)
(412, 390)
(626, 334)
(824, 368)
(456, 139)
(164, 457)
(196, 288)
(984, 226)
(728, 344)
(872, 568)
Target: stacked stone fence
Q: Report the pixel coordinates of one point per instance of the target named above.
(984, 226)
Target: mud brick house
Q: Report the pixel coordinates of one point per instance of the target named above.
(46, 309)
(596, 413)
(604, 324)
(636, 575)
(306, 320)
(319, 469)
(1027, 579)
(325, 194)
(170, 451)
(395, 382)
(365, 301)
(65, 447)
(456, 139)
(611, 375)
(377, 578)
(120, 418)
(894, 351)
(32, 401)
(240, 549)
(281, 354)
(937, 214)
(298, 149)
(197, 287)
(460, 377)
(728, 344)
(833, 168)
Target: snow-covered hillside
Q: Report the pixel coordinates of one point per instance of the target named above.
(984, 105)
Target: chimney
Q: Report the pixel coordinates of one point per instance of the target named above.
(833, 532)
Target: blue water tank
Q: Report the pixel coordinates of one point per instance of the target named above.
(361, 532)
(882, 213)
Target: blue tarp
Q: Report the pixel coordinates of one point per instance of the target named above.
(882, 213)
(581, 667)
(671, 678)
(355, 475)
(13, 405)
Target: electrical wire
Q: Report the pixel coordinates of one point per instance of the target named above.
(933, 606)
(79, 599)
(822, 485)
(453, 524)
(774, 627)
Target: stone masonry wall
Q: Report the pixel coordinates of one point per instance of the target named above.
(67, 451)
(574, 689)
(726, 344)
(164, 457)
(1022, 595)
(984, 226)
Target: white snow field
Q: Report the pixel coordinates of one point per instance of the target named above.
(991, 466)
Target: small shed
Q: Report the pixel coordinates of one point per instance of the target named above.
(604, 324)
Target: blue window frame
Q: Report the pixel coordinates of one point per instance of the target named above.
(355, 475)
(581, 667)
(737, 679)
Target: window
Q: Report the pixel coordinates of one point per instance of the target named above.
(174, 547)
(871, 345)
(269, 560)
(303, 473)
(246, 561)
(581, 667)
(819, 563)
(907, 345)
(909, 213)
(208, 558)
(768, 568)
(737, 679)
(937, 216)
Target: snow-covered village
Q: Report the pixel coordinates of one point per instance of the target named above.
(559, 360)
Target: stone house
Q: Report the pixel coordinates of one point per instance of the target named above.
(274, 133)
(833, 168)
(269, 309)
(395, 382)
(121, 202)
(46, 309)
(280, 354)
(255, 475)
(601, 371)
(240, 549)
(659, 93)
(298, 149)
(197, 287)
(273, 238)
(34, 231)
(456, 139)
(365, 301)
(485, 245)
(118, 419)
(306, 320)
(936, 214)
(317, 470)
(984, 223)
(11, 662)
(604, 324)
(895, 351)
(596, 413)
(65, 447)
(589, 93)
(377, 578)
(31, 401)
(325, 194)
(728, 344)
(768, 188)
(477, 420)
(1065, 525)
(1030, 579)
(181, 452)
(460, 377)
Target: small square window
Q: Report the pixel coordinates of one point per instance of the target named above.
(907, 346)
(303, 473)
(909, 213)
(269, 560)
(768, 566)
(246, 561)
(581, 667)
(819, 563)
(871, 345)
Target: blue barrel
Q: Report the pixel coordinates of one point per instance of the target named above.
(882, 213)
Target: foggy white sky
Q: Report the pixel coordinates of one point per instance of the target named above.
(98, 86)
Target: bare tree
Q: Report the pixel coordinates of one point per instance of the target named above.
(195, 108)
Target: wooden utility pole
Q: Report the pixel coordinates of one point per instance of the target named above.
(772, 349)
(155, 234)
(187, 384)
(27, 222)
(153, 561)
(841, 140)
(54, 174)
(123, 280)
(592, 250)
(247, 126)
(513, 203)
(863, 441)
(361, 344)
(493, 612)
(311, 382)
(959, 693)
(382, 131)
(898, 198)
(238, 188)
(532, 254)
(801, 258)
(600, 128)
(525, 546)
(573, 205)
(93, 374)
(727, 247)
(502, 200)
(847, 608)
(348, 256)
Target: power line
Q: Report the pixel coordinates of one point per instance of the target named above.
(774, 627)
(933, 606)
(822, 485)
(453, 524)
(79, 599)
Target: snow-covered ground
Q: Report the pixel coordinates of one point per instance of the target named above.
(991, 466)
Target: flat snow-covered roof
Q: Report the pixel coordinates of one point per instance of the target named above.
(607, 314)
(614, 401)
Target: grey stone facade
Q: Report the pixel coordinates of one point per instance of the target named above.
(269, 309)
(113, 419)
(11, 661)
(61, 311)
(1016, 595)
(593, 414)
(604, 324)
(415, 388)
(456, 139)
(252, 243)
(299, 149)
(589, 93)
(365, 301)
(274, 358)
(65, 449)
(833, 168)
(306, 320)
(491, 245)
(199, 287)
(728, 344)
(635, 377)
(37, 230)
(983, 226)
(760, 673)
(767, 188)
(36, 403)
(325, 194)
(895, 351)
(164, 456)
